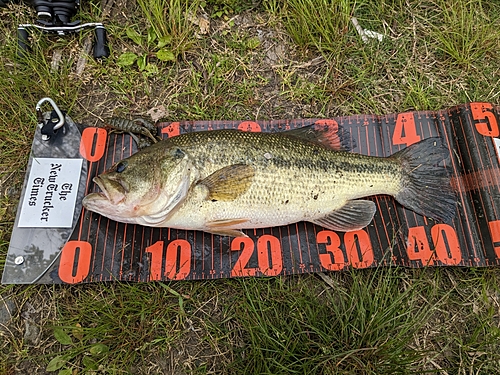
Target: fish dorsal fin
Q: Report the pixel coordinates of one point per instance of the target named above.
(352, 216)
(327, 133)
(228, 183)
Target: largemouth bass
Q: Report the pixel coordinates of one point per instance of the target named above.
(223, 181)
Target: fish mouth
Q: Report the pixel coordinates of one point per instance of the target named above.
(112, 190)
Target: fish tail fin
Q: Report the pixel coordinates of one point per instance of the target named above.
(426, 187)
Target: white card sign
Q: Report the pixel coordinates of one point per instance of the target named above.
(50, 197)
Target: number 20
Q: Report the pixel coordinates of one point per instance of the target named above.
(266, 245)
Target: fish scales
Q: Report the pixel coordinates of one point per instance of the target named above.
(294, 180)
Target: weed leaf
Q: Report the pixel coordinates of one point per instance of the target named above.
(65, 371)
(126, 59)
(56, 363)
(98, 349)
(151, 36)
(62, 336)
(89, 363)
(164, 40)
(135, 36)
(77, 331)
(151, 69)
(141, 62)
(165, 55)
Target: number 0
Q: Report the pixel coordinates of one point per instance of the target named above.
(93, 143)
(71, 260)
(178, 260)
(269, 244)
(359, 249)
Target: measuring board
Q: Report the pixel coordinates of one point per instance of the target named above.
(93, 248)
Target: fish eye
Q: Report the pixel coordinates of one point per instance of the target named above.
(178, 153)
(120, 167)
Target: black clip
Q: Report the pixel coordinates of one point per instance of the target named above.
(50, 127)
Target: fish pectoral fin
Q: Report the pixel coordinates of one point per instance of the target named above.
(225, 227)
(354, 215)
(228, 183)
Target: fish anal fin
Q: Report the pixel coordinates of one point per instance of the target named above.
(228, 232)
(354, 215)
(226, 227)
(228, 183)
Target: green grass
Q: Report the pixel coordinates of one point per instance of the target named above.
(170, 19)
(269, 60)
(466, 31)
(303, 327)
(317, 24)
